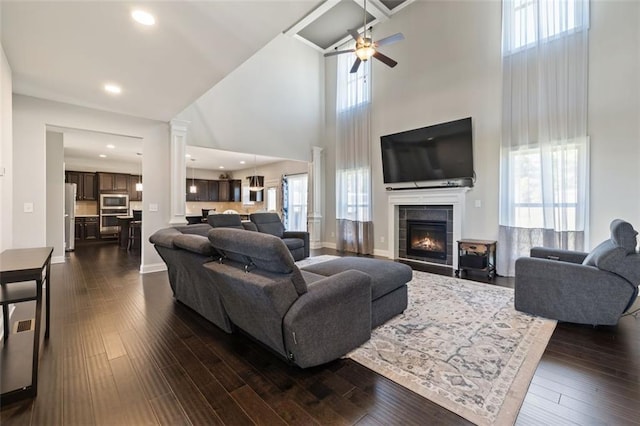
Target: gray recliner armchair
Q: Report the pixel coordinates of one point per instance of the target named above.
(594, 288)
(297, 241)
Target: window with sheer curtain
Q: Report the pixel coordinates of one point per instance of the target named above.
(296, 202)
(544, 155)
(353, 157)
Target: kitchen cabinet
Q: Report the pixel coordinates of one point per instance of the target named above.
(214, 190)
(87, 228)
(133, 194)
(202, 190)
(230, 190)
(113, 182)
(86, 185)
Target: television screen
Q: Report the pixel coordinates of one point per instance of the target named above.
(440, 152)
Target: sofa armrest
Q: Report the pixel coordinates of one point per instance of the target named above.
(303, 235)
(331, 319)
(556, 254)
(570, 292)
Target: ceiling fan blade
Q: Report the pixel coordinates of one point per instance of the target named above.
(339, 52)
(355, 66)
(354, 34)
(387, 60)
(390, 40)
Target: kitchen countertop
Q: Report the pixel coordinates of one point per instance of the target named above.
(87, 215)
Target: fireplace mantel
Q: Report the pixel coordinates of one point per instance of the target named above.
(454, 197)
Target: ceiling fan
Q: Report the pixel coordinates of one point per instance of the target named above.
(366, 48)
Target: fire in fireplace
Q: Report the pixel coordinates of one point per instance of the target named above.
(427, 239)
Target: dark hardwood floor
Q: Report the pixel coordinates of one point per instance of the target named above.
(123, 352)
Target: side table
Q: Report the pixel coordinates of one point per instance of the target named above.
(19, 269)
(477, 255)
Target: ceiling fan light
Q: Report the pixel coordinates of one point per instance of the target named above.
(365, 53)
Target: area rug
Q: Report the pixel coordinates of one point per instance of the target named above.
(461, 345)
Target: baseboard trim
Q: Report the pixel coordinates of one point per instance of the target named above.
(329, 245)
(58, 259)
(154, 267)
(381, 253)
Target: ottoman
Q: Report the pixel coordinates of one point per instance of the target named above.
(388, 283)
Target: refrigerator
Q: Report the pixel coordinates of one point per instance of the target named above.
(69, 216)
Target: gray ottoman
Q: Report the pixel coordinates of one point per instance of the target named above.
(388, 283)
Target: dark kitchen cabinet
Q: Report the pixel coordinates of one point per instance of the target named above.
(86, 185)
(113, 182)
(223, 190)
(133, 194)
(214, 193)
(202, 190)
(87, 228)
(235, 193)
(230, 190)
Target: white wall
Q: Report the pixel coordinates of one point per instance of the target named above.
(450, 67)
(6, 154)
(55, 194)
(272, 104)
(30, 117)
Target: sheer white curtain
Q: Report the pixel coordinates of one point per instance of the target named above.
(544, 155)
(296, 219)
(353, 158)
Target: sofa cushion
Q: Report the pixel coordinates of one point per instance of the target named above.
(386, 276)
(194, 243)
(268, 223)
(265, 251)
(293, 243)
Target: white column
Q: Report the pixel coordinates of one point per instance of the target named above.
(178, 171)
(314, 215)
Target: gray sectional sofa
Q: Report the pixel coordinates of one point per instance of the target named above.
(249, 280)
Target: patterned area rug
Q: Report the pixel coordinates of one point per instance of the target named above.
(461, 345)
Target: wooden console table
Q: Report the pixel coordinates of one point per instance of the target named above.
(19, 269)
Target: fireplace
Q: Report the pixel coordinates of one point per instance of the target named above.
(427, 238)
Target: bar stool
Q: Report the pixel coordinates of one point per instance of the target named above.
(135, 229)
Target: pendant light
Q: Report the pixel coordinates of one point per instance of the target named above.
(193, 189)
(139, 184)
(256, 183)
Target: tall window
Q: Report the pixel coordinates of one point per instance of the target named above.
(296, 203)
(353, 157)
(531, 21)
(544, 156)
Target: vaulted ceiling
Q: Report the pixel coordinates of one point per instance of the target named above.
(67, 51)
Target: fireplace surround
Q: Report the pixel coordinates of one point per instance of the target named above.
(453, 197)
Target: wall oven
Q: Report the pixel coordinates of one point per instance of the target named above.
(112, 206)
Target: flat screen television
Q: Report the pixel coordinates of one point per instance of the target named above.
(438, 155)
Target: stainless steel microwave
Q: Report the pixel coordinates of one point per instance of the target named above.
(114, 201)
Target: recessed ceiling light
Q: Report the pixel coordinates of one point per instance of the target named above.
(242, 162)
(221, 167)
(110, 146)
(113, 88)
(142, 17)
(103, 156)
(187, 155)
